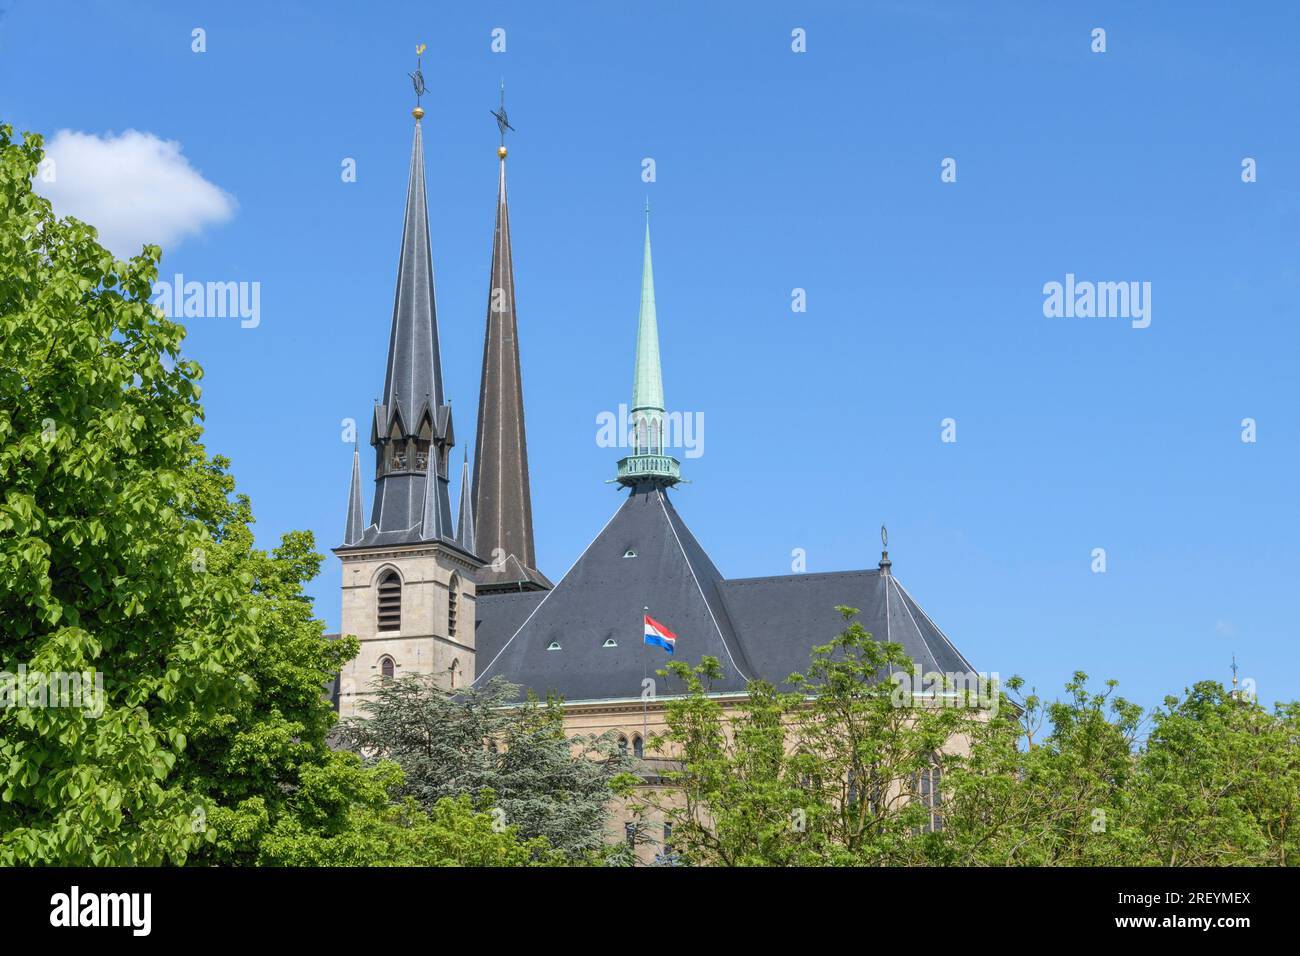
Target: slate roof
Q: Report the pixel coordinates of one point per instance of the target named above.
(781, 618)
(601, 599)
(757, 627)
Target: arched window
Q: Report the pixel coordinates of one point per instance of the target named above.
(390, 602)
(453, 599)
(928, 791)
(638, 746)
(397, 451)
(642, 440)
(453, 673)
(622, 745)
(386, 667)
(654, 447)
(422, 438)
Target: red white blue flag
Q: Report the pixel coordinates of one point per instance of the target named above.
(657, 634)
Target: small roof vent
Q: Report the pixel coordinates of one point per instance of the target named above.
(629, 553)
(610, 642)
(553, 646)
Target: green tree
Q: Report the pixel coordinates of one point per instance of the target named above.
(361, 825)
(102, 537)
(830, 773)
(1218, 782)
(124, 552)
(1060, 799)
(478, 743)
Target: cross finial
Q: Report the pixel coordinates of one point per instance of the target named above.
(503, 123)
(1234, 670)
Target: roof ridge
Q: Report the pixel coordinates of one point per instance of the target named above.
(930, 621)
(492, 663)
(924, 643)
(801, 575)
(687, 558)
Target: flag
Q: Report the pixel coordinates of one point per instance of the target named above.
(657, 634)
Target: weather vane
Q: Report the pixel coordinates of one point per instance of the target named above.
(503, 123)
(884, 537)
(417, 77)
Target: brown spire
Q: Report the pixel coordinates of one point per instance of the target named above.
(503, 510)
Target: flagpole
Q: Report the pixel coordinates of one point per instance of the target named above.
(645, 701)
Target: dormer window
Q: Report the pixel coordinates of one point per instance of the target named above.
(610, 642)
(629, 553)
(553, 646)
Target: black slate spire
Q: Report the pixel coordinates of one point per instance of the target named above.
(356, 524)
(411, 432)
(503, 509)
(465, 526)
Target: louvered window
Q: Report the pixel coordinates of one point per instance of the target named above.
(390, 602)
(453, 598)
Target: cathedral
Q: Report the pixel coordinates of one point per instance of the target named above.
(462, 597)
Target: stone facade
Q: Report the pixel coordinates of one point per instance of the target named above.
(426, 642)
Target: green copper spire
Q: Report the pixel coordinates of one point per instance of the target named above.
(648, 463)
(648, 382)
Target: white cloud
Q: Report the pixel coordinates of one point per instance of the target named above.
(134, 188)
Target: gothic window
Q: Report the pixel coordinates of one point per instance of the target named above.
(396, 450)
(655, 447)
(638, 746)
(622, 745)
(386, 667)
(422, 446)
(642, 440)
(453, 600)
(927, 787)
(390, 602)
(453, 673)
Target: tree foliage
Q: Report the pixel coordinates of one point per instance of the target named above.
(832, 773)
(822, 774)
(478, 741)
(125, 552)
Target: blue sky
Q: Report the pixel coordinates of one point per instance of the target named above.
(778, 170)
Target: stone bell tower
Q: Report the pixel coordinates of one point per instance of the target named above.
(408, 576)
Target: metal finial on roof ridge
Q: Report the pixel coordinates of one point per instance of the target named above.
(885, 563)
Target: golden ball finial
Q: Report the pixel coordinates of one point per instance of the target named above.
(418, 113)
(501, 151)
